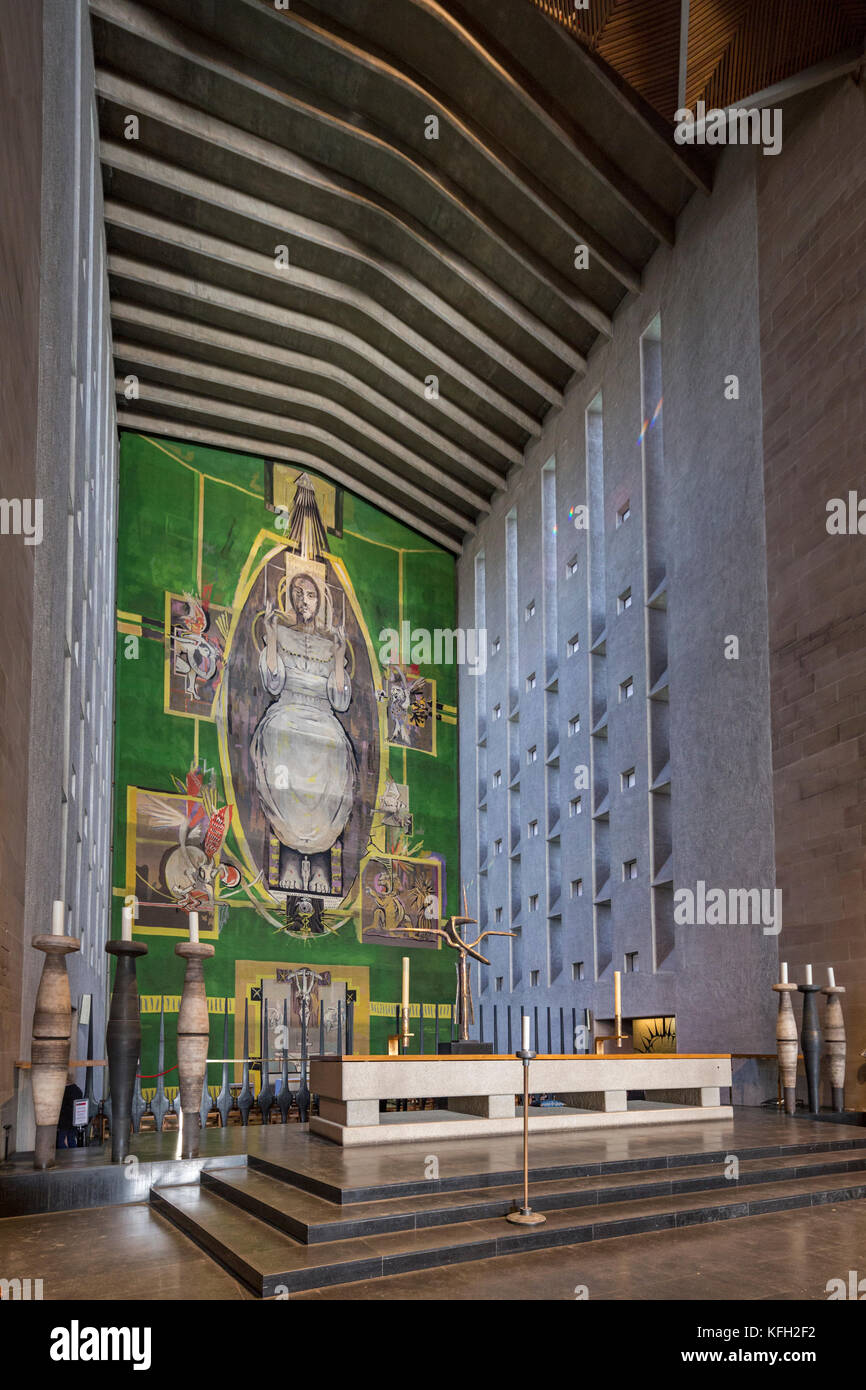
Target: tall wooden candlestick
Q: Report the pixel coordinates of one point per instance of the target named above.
(810, 1038)
(49, 1048)
(193, 1033)
(834, 1044)
(786, 1044)
(123, 1042)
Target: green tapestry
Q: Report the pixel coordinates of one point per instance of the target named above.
(277, 770)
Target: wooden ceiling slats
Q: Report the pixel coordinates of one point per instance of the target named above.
(735, 47)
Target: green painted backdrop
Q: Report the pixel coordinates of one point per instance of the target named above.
(169, 490)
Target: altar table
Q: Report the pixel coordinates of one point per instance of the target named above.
(478, 1095)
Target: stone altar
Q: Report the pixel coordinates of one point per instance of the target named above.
(481, 1093)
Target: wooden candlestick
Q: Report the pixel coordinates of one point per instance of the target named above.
(49, 1049)
(123, 1042)
(834, 1045)
(786, 1045)
(193, 1034)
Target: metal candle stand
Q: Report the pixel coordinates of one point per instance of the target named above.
(284, 1099)
(245, 1095)
(224, 1099)
(834, 1045)
(193, 1033)
(123, 1042)
(810, 1038)
(786, 1046)
(526, 1216)
(49, 1049)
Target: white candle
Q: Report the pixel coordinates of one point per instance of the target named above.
(526, 1047)
(783, 973)
(58, 918)
(126, 924)
(617, 993)
(808, 976)
(405, 1000)
(193, 926)
(831, 976)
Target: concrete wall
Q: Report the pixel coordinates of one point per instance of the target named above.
(20, 172)
(813, 328)
(694, 488)
(68, 797)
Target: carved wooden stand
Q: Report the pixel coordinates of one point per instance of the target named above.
(49, 1049)
(193, 1033)
(786, 1045)
(834, 1049)
(123, 1042)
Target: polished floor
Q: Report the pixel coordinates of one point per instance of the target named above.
(130, 1251)
(787, 1255)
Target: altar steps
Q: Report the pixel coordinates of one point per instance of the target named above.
(313, 1220)
(278, 1239)
(361, 1181)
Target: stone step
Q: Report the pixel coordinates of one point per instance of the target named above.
(399, 1161)
(273, 1263)
(312, 1219)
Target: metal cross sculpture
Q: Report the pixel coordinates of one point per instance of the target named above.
(449, 930)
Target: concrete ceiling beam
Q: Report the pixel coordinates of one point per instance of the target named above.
(197, 297)
(399, 101)
(170, 57)
(585, 82)
(191, 374)
(308, 184)
(492, 62)
(259, 272)
(176, 191)
(267, 424)
(136, 323)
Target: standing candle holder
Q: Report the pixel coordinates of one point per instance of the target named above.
(224, 1099)
(49, 1048)
(526, 1216)
(245, 1095)
(834, 1045)
(160, 1104)
(786, 1046)
(123, 1042)
(810, 1039)
(284, 1099)
(193, 1033)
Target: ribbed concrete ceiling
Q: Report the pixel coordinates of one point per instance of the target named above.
(409, 258)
